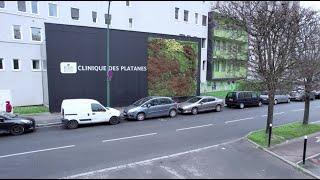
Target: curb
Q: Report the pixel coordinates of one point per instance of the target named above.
(281, 158)
(48, 124)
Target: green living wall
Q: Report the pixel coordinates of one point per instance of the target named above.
(172, 67)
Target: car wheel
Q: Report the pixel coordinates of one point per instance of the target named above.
(172, 113)
(218, 108)
(241, 105)
(194, 111)
(73, 124)
(114, 120)
(260, 104)
(141, 116)
(17, 130)
(275, 102)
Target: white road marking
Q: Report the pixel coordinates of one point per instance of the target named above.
(148, 161)
(194, 127)
(318, 139)
(142, 135)
(49, 126)
(274, 114)
(172, 171)
(239, 120)
(296, 110)
(42, 150)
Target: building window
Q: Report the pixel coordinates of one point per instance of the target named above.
(17, 32)
(203, 65)
(127, 3)
(36, 65)
(107, 19)
(223, 66)
(16, 64)
(21, 6)
(2, 4)
(176, 13)
(74, 13)
(196, 16)
(34, 7)
(217, 66)
(53, 10)
(186, 15)
(203, 42)
(130, 23)
(94, 16)
(36, 34)
(1, 64)
(204, 20)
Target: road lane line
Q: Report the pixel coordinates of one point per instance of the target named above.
(239, 120)
(296, 110)
(42, 150)
(148, 161)
(207, 125)
(274, 114)
(315, 122)
(130, 137)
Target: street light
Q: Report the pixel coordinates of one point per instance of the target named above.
(108, 19)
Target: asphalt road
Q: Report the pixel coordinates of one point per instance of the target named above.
(59, 153)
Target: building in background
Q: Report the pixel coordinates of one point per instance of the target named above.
(227, 60)
(23, 38)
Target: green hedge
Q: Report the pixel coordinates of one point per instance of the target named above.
(30, 109)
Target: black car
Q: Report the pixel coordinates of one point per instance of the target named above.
(243, 98)
(16, 125)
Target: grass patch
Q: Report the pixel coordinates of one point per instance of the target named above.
(218, 94)
(283, 133)
(30, 109)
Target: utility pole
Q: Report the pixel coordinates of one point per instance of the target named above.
(108, 54)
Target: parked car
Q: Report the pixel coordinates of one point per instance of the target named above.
(280, 97)
(201, 103)
(16, 125)
(300, 95)
(317, 94)
(242, 99)
(152, 106)
(87, 111)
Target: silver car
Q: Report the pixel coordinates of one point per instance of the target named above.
(152, 106)
(279, 97)
(201, 103)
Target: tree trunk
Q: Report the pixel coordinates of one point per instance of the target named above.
(270, 110)
(306, 107)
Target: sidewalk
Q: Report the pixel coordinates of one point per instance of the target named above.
(47, 119)
(293, 151)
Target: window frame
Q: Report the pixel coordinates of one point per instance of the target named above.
(176, 13)
(131, 23)
(57, 10)
(31, 34)
(40, 65)
(13, 35)
(4, 5)
(72, 8)
(203, 45)
(3, 66)
(128, 4)
(185, 12)
(25, 6)
(205, 20)
(196, 18)
(19, 64)
(104, 109)
(31, 4)
(96, 16)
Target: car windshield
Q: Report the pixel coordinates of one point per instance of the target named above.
(8, 115)
(141, 101)
(193, 100)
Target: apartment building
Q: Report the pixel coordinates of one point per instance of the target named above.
(25, 29)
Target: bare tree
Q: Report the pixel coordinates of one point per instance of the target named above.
(272, 27)
(307, 71)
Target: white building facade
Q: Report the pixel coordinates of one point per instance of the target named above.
(23, 38)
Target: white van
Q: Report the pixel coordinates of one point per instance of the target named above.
(86, 111)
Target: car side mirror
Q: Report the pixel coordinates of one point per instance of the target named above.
(200, 102)
(148, 105)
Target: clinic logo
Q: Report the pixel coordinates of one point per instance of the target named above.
(68, 67)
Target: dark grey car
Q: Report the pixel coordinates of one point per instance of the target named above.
(152, 106)
(201, 103)
(16, 125)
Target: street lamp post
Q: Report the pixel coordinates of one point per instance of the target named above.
(108, 54)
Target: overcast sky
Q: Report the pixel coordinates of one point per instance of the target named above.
(313, 4)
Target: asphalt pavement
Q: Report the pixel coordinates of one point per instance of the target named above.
(54, 152)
